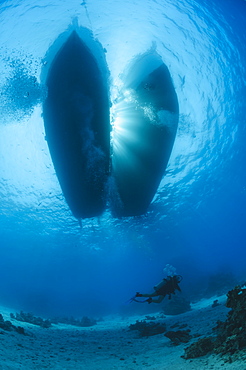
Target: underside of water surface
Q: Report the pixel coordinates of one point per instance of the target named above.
(162, 106)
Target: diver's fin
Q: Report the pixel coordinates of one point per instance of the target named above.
(131, 299)
(136, 300)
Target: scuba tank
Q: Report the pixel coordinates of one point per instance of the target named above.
(176, 279)
(160, 284)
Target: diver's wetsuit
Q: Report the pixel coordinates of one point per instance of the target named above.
(166, 287)
(170, 284)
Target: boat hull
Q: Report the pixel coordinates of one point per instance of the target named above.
(76, 119)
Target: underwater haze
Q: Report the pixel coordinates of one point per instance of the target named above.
(50, 264)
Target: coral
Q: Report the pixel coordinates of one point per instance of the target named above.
(83, 322)
(200, 348)
(31, 319)
(179, 336)
(231, 334)
(152, 318)
(87, 321)
(215, 303)
(20, 330)
(176, 306)
(147, 329)
(178, 325)
(8, 326)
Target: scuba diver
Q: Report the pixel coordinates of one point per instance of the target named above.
(167, 286)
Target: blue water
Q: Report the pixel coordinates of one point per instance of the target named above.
(196, 222)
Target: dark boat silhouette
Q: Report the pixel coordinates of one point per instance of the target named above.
(146, 119)
(76, 119)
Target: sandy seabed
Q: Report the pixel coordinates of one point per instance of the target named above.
(111, 345)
